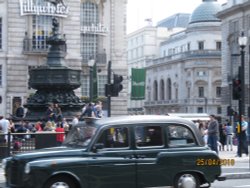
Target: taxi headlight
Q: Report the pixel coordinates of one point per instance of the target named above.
(4, 163)
(27, 168)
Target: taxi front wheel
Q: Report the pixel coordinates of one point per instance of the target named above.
(60, 182)
(187, 180)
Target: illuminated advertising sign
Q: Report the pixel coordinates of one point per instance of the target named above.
(27, 7)
(97, 29)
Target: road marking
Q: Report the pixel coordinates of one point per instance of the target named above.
(242, 186)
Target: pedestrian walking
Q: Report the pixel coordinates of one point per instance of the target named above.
(213, 133)
(222, 133)
(229, 137)
(242, 138)
(98, 110)
(203, 131)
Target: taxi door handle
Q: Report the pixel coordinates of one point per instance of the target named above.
(135, 157)
(141, 156)
(129, 157)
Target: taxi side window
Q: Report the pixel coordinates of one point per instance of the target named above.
(180, 135)
(148, 136)
(114, 138)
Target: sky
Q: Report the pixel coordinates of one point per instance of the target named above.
(139, 10)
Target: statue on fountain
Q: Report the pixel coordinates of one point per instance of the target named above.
(55, 82)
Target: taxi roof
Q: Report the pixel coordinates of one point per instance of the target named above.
(135, 119)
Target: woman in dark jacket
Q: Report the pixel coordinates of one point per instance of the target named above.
(222, 136)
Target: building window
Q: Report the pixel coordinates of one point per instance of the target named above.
(1, 33)
(169, 89)
(155, 90)
(218, 91)
(201, 73)
(41, 30)
(219, 110)
(16, 102)
(162, 90)
(1, 75)
(201, 92)
(200, 110)
(188, 92)
(89, 41)
(176, 93)
(218, 45)
(188, 46)
(201, 45)
(234, 26)
(85, 85)
(170, 51)
(102, 80)
(149, 96)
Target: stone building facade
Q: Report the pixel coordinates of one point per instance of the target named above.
(144, 44)
(235, 17)
(94, 29)
(187, 76)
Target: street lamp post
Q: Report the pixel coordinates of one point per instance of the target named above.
(109, 82)
(91, 63)
(242, 40)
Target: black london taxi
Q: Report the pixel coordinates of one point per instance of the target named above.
(129, 151)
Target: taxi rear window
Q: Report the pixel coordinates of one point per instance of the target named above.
(180, 135)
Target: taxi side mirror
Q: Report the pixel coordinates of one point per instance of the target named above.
(97, 147)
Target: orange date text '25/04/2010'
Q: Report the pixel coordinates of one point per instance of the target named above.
(215, 162)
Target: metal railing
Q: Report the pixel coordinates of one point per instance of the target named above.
(181, 102)
(183, 55)
(14, 143)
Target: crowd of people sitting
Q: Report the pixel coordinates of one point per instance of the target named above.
(53, 121)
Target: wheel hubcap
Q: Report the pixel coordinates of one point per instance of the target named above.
(60, 185)
(187, 181)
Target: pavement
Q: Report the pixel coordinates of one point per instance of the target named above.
(241, 168)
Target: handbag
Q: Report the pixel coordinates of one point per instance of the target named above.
(235, 141)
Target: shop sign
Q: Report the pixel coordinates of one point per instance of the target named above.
(97, 29)
(27, 7)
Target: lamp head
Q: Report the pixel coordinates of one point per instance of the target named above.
(242, 40)
(91, 62)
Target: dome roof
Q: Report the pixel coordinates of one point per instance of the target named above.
(206, 12)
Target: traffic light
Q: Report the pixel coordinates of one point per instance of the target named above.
(230, 111)
(117, 85)
(237, 88)
(108, 90)
(113, 90)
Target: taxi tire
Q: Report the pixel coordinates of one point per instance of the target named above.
(189, 177)
(60, 179)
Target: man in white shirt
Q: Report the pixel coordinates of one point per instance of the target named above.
(5, 125)
(75, 120)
